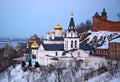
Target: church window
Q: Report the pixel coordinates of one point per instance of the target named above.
(71, 44)
(86, 63)
(99, 64)
(95, 63)
(78, 54)
(75, 44)
(56, 53)
(71, 34)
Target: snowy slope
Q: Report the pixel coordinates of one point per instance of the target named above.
(100, 37)
(17, 74)
(106, 77)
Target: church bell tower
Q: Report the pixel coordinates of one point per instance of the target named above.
(71, 41)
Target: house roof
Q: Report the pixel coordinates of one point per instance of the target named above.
(71, 24)
(35, 45)
(53, 47)
(60, 47)
(85, 47)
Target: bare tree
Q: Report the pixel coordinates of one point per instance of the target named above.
(58, 67)
(84, 26)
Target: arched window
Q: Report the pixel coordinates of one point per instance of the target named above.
(78, 54)
(71, 44)
(71, 34)
(56, 54)
(75, 44)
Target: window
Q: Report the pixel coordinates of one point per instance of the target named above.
(75, 44)
(56, 53)
(78, 54)
(86, 63)
(71, 34)
(99, 64)
(95, 63)
(71, 44)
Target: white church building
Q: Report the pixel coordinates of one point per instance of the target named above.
(64, 47)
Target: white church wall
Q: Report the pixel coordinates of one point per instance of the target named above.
(95, 62)
(68, 45)
(58, 33)
(80, 54)
(43, 56)
(34, 51)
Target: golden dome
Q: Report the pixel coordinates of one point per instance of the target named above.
(63, 32)
(58, 27)
(48, 32)
(53, 32)
(34, 45)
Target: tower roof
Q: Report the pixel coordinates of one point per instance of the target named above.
(34, 45)
(71, 24)
(58, 27)
(48, 32)
(104, 12)
(96, 14)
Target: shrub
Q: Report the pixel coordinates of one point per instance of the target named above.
(37, 65)
(102, 69)
(30, 64)
(23, 63)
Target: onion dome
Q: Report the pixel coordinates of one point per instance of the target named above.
(96, 14)
(48, 32)
(104, 12)
(58, 27)
(53, 32)
(63, 32)
(34, 45)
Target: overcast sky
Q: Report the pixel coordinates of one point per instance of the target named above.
(23, 18)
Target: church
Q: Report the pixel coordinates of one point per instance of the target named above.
(64, 47)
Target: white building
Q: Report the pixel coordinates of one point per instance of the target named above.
(65, 47)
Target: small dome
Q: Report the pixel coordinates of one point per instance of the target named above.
(34, 45)
(48, 32)
(53, 32)
(63, 32)
(58, 27)
(96, 14)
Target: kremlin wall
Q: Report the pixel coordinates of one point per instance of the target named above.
(100, 23)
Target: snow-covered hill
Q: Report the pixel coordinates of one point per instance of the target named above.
(17, 74)
(100, 37)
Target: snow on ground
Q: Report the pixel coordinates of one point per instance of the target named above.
(106, 77)
(117, 79)
(97, 78)
(16, 74)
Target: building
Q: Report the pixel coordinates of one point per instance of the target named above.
(32, 39)
(100, 23)
(111, 51)
(65, 47)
